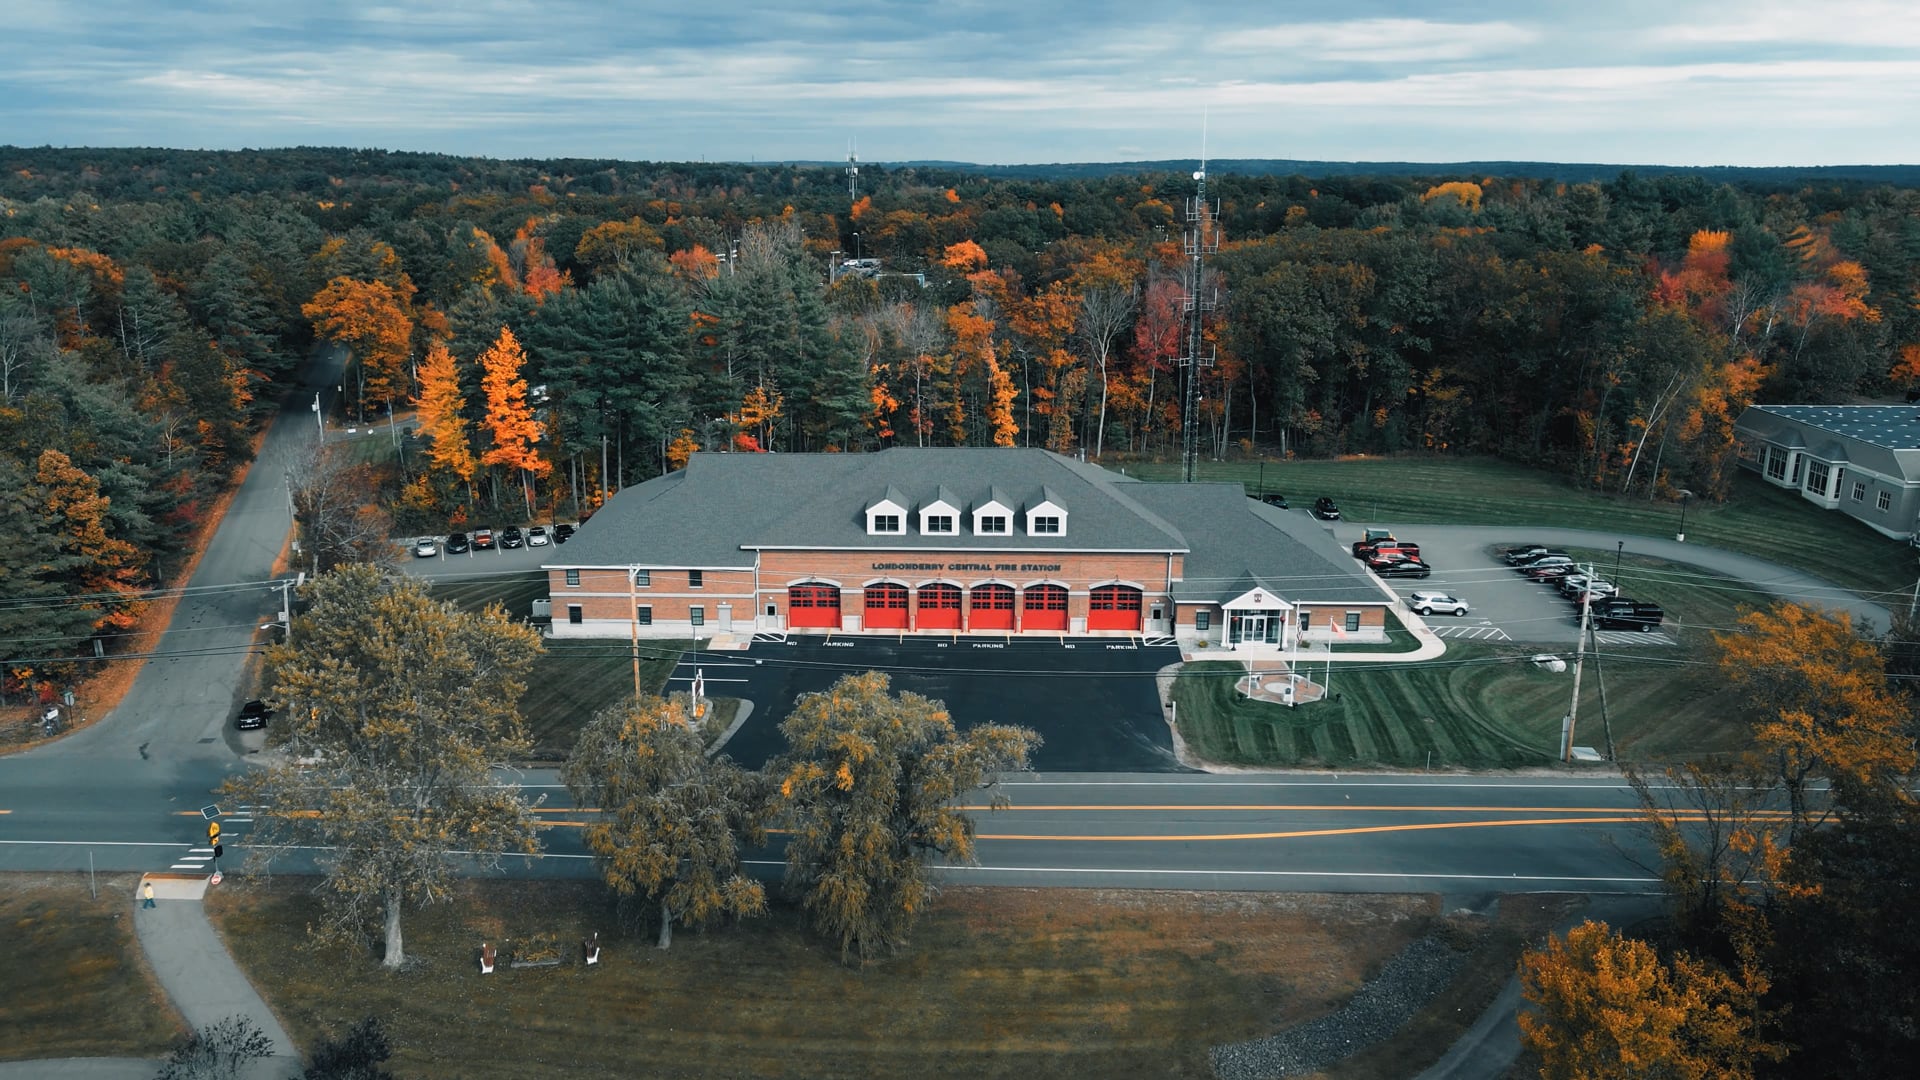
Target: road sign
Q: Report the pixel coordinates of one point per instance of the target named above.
(215, 879)
(213, 831)
(210, 812)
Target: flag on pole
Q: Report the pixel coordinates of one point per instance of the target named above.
(699, 684)
(1338, 630)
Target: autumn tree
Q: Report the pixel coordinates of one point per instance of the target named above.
(442, 413)
(373, 320)
(1719, 833)
(867, 792)
(1816, 691)
(672, 818)
(1108, 291)
(107, 569)
(509, 420)
(394, 709)
(333, 505)
(1604, 1006)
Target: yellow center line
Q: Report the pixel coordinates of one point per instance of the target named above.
(1299, 833)
(1316, 808)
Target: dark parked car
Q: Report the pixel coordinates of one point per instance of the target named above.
(562, 532)
(1517, 555)
(1544, 561)
(510, 537)
(253, 715)
(483, 539)
(1325, 510)
(1622, 613)
(1275, 500)
(1536, 555)
(1413, 568)
(457, 544)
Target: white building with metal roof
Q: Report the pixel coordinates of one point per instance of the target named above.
(1863, 460)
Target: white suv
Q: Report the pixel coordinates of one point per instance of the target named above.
(1426, 603)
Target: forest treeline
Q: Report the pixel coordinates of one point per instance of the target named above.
(565, 328)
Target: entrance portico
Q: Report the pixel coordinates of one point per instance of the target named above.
(1259, 617)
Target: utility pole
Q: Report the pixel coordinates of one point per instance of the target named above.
(633, 615)
(1579, 661)
(286, 606)
(1202, 240)
(320, 416)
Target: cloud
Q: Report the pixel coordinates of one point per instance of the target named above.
(1380, 41)
(1861, 24)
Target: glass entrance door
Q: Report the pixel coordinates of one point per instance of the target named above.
(1254, 627)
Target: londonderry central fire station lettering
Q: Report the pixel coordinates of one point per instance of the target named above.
(1018, 568)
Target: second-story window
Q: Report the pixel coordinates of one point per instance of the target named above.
(1046, 526)
(887, 523)
(940, 523)
(696, 579)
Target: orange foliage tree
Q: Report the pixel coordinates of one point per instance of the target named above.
(106, 565)
(371, 319)
(509, 421)
(1607, 1007)
(1817, 692)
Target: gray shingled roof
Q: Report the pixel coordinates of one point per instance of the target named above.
(720, 507)
(1883, 438)
(1240, 544)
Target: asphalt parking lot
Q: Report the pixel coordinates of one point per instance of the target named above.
(1506, 606)
(495, 560)
(1093, 700)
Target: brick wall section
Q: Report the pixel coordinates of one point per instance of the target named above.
(602, 594)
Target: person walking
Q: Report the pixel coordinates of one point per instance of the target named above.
(147, 892)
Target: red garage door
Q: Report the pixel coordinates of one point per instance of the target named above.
(886, 607)
(1114, 607)
(1044, 607)
(813, 607)
(939, 608)
(990, 608)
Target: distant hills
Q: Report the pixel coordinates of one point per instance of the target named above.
(1568, 172)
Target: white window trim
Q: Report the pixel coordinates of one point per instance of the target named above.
(886, 508)
(940, 508)
(1046, 509)
(993, 509)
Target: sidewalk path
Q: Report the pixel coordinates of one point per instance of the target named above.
(198, 974)
(1490, 1047)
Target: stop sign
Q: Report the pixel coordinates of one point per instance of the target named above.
(215, 879)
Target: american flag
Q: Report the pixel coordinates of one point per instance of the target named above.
(699, 684)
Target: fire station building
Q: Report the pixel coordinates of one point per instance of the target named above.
(976, 541)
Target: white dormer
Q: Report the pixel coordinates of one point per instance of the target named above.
(887, 515)
(941, 517)
(995, 516)
(1047, 517)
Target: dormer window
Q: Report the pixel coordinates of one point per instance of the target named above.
(991, 525)
(887, 515)
(995, 516)
(1046, 517)
(941, 515)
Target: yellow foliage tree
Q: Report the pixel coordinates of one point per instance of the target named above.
(442, 415)
(1817, 691)
(105, 564)
(1608, 1008)
(1466, 192)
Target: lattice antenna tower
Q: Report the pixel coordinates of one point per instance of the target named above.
(1202, 240)
(853, 175)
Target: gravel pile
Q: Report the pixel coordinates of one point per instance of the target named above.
(1404, 985)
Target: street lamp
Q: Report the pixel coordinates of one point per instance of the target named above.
(833, 265)
(856, 247)
(1685, 498)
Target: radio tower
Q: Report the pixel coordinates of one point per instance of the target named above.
(853, 176)
(1202, 240)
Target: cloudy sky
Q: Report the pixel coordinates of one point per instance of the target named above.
(1685, 82)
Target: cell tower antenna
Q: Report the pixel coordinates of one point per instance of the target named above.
(1203, 239)
(853, 173)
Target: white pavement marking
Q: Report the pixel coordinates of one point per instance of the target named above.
(1631, 637)
(1471, 633)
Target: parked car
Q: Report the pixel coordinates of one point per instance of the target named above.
(1521, 553)
(537, 536)
(1586, 584)
(1536, 556)
(483, 539)
(426, 547)
(1412, 568)
(1426, 603)
(1368, 539)
(1390, 556)
(511, 537)
(1549, 572)
(1275, 500)
(1587, 598)
(562, 532)
(458, 544)
(253, 714)
(1394, 549)
(1622, 613)
(1546, 561)
(1325, 510)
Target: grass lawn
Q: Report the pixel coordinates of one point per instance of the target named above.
(74, 983)
(1758, 519)
(996, 983)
